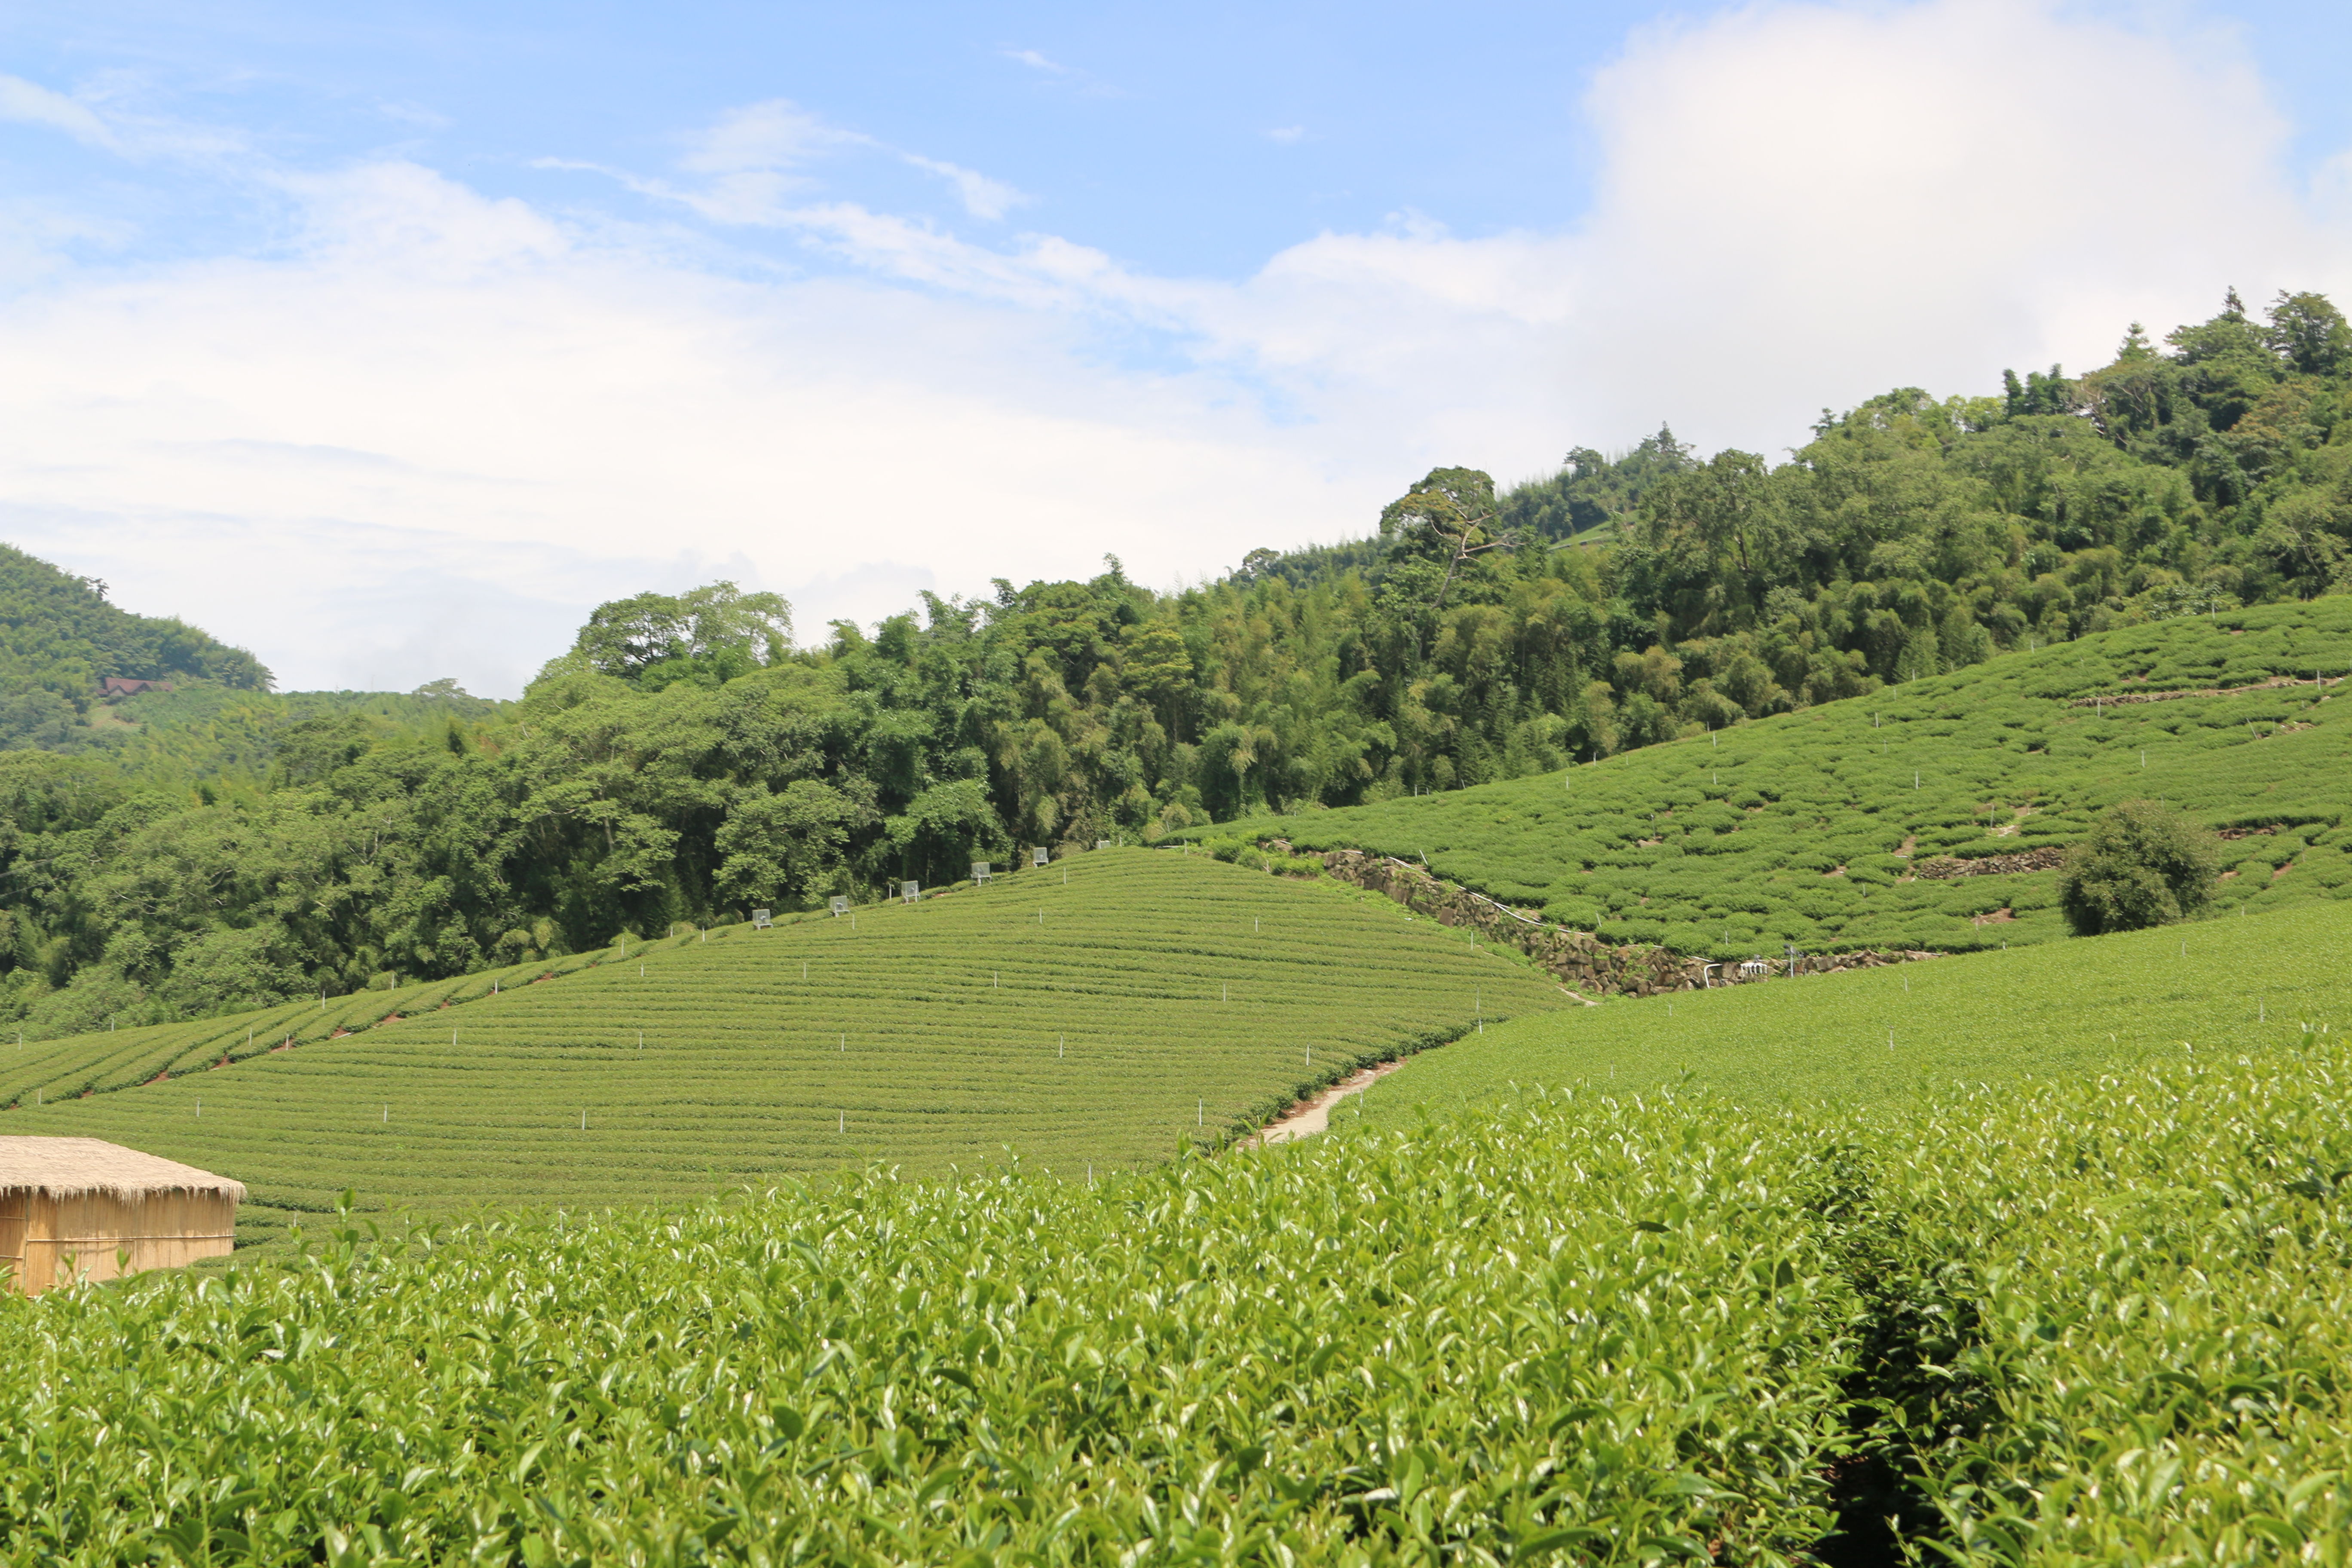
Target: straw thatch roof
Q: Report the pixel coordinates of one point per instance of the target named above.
(77, 1167)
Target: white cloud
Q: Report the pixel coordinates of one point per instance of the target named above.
(981, 196)
(1035, 61)
(442, 402)
(105, 115)
(425, 443)
(28, 103)
(774, 134)
(1286, 134)
(1820, 202)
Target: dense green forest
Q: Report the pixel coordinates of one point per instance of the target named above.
(228, 846)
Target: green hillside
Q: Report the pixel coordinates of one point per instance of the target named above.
(1877, 1036)
(1111, 1008)
(1816, 828)
(59, 637)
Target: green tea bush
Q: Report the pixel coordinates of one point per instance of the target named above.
(2140, 866)
(1584, 1333)
(2150, 1276)
(2100, 1320)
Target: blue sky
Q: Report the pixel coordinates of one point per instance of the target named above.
(387, 340)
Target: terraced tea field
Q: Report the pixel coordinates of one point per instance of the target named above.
(1104, 1011)
(1807, 828)
(2210, 989)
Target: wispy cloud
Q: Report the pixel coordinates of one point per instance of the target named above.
(105, 115)
(776, 133)
(1035, 61)
(756, 164)
(982, 197)
(1286, 134)
(29, 103)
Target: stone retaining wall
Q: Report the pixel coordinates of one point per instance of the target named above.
(1942, 867)
(1582, 961)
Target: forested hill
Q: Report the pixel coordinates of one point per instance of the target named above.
(686, 760)
(59, 637)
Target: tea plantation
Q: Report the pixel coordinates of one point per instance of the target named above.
(1807, 829)
(2100, 1320)
(2214, 988)
(1106, 1010)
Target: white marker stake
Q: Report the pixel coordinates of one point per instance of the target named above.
(387, 1115)
(1061, 1047)
(843, 1125)
(1204, 1113)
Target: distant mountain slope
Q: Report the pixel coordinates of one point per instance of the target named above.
(60, 638)
(1816, 828)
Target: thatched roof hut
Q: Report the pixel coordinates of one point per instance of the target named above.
(82, 1208)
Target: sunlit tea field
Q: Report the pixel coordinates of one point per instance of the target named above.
(1814, 829)
(1104, 1011)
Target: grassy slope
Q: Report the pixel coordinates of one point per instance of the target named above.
(1190, 993)
(2213, 988)
(1751, 825)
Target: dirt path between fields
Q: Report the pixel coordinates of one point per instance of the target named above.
(1314, 1116)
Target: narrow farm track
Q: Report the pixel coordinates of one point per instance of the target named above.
(1104, 1011)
